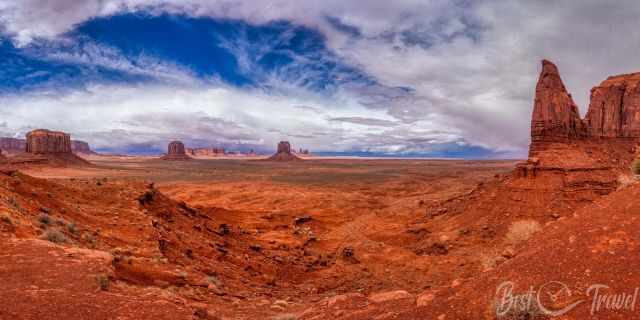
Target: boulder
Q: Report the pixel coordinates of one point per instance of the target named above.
(176, 152)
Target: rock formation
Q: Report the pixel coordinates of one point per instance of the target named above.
(572, 161)
(283, 153)
(176, 151)
(48, 147)
(13, 145)
(206, 152)
(43, 141)
(555, 115)
(83, 147)
(605, 138)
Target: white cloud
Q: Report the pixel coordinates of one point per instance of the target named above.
(472, 65)
(119, 116)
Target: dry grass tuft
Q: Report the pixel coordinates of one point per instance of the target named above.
(522, 230)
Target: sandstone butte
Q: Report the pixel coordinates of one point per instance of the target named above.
(176, 152)
(15, 145)
(45, 146)
(284, 153)
(43, 141)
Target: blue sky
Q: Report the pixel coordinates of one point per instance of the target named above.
(408, 78)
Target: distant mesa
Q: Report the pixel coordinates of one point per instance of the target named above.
(284, 153)
(206, 152)
(81, 147)
(15, 146)
(176, 152)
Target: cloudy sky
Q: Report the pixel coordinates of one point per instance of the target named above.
(405, 77)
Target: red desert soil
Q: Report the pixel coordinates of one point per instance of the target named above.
(234, 239)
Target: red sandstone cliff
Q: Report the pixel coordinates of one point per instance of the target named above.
(176, 151)
(43, 141)
(13, 145)
(555, 115)
(614, 110)
(78, 146)
(206, 152)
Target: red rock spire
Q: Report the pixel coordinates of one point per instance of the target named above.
(555, 115)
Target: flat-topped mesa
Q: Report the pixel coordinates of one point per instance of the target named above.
(555, 115)
(176, 151)
(614, 111)
(44, 141)
(78, 146)
(13, 144)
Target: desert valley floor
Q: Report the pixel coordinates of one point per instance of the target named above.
(236, 239)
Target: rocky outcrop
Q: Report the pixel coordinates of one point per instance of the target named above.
(555, 115)
(283, 153)
(614, 110)
(606, 138)
(43, 141)
(206, 152)
(13, 145)
(176, 152)
(83, 147)
(47, 147)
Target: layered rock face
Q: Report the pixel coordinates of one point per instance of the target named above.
(614, 110)
(573, 159)
(43, 141)
(13, 144)
(78, 146)
(283, 153)
(206, 152)
(555, 115)
(176, 151)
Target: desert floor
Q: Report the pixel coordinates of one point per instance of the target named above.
(300, 232)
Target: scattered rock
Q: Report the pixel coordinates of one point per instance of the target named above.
(302, 219)
(390, 296)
